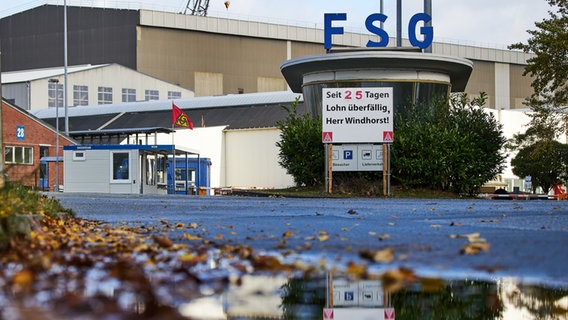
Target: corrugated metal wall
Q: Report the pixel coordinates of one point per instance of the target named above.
(34, 38)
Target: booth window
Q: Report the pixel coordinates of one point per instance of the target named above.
(120, 166)
(19, 155)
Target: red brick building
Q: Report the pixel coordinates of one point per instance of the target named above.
(27, 140)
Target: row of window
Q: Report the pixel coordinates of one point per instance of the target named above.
(18, 155)
(81, 95)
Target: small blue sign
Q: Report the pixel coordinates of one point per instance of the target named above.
(20, 133)
(348, 154)
(349, 296)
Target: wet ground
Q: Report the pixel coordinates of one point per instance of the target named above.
(469, 259)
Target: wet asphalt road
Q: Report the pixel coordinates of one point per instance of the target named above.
(528, 239)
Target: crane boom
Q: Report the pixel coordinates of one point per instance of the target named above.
(197, 7)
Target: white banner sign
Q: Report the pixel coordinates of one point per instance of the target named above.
(357, 115)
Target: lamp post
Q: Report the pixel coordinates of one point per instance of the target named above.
(56, 83)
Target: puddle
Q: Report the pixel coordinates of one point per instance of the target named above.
(178, 285)
(278, 297)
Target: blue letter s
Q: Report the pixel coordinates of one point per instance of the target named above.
(376, 30)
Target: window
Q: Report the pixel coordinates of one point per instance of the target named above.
(120, 167)
(105, 95)
(43, 151)
(19, 155)
(128, 95)
(152, 95)
(172, 95)
(80, 95)
(55, 95)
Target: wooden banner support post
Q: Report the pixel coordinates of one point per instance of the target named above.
(328, 167)
(386, 170)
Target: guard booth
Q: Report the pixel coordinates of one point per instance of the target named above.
(192, 175)
(122, 168)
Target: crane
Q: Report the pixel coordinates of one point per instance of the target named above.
(199, 7)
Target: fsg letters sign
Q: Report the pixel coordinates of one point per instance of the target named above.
(357, 115)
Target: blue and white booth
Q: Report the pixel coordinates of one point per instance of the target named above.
(133, 169)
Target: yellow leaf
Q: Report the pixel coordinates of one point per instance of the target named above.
(190, 237)
(323, 237)
(288, 234)
(355, 269)
(219, 237)
(384, 256)
(475, 248)
(384, 237)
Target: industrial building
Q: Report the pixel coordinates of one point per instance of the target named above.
(215, 56)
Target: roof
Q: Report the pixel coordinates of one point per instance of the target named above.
(35, 74)
(253, 110)
(459, 69)
(154, 148)
(42, 122)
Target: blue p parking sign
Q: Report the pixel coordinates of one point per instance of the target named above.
(348, 154)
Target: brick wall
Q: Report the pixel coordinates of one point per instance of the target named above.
(36, 134)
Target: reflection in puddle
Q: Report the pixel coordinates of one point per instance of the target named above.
(338, 297)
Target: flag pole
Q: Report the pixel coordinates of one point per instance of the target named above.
(173, 155)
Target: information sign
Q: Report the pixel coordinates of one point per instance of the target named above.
(357, 157)
(357, 115)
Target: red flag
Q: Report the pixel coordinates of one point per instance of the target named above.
(179, 118)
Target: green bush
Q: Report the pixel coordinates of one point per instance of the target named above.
(19, 208)
(301, 149)
(455, 147)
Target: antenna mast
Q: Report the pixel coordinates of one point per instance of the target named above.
(197, 7)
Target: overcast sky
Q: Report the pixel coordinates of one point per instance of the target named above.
(481, 22)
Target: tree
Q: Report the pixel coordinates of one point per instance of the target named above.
(301, 150)
(549, 66)
(545, 161)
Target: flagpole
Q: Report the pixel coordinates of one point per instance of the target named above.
(173, 155)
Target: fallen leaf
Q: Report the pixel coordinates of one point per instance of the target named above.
(382, 256)
(355, 269)
(456, 224)
(351, 211)
(163, 242)
(394, 280)
(384, 237)
(288, 234)
(190, 237)
(192, 225)
(474, 248)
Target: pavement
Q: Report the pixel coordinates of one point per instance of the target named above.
(523, 239)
